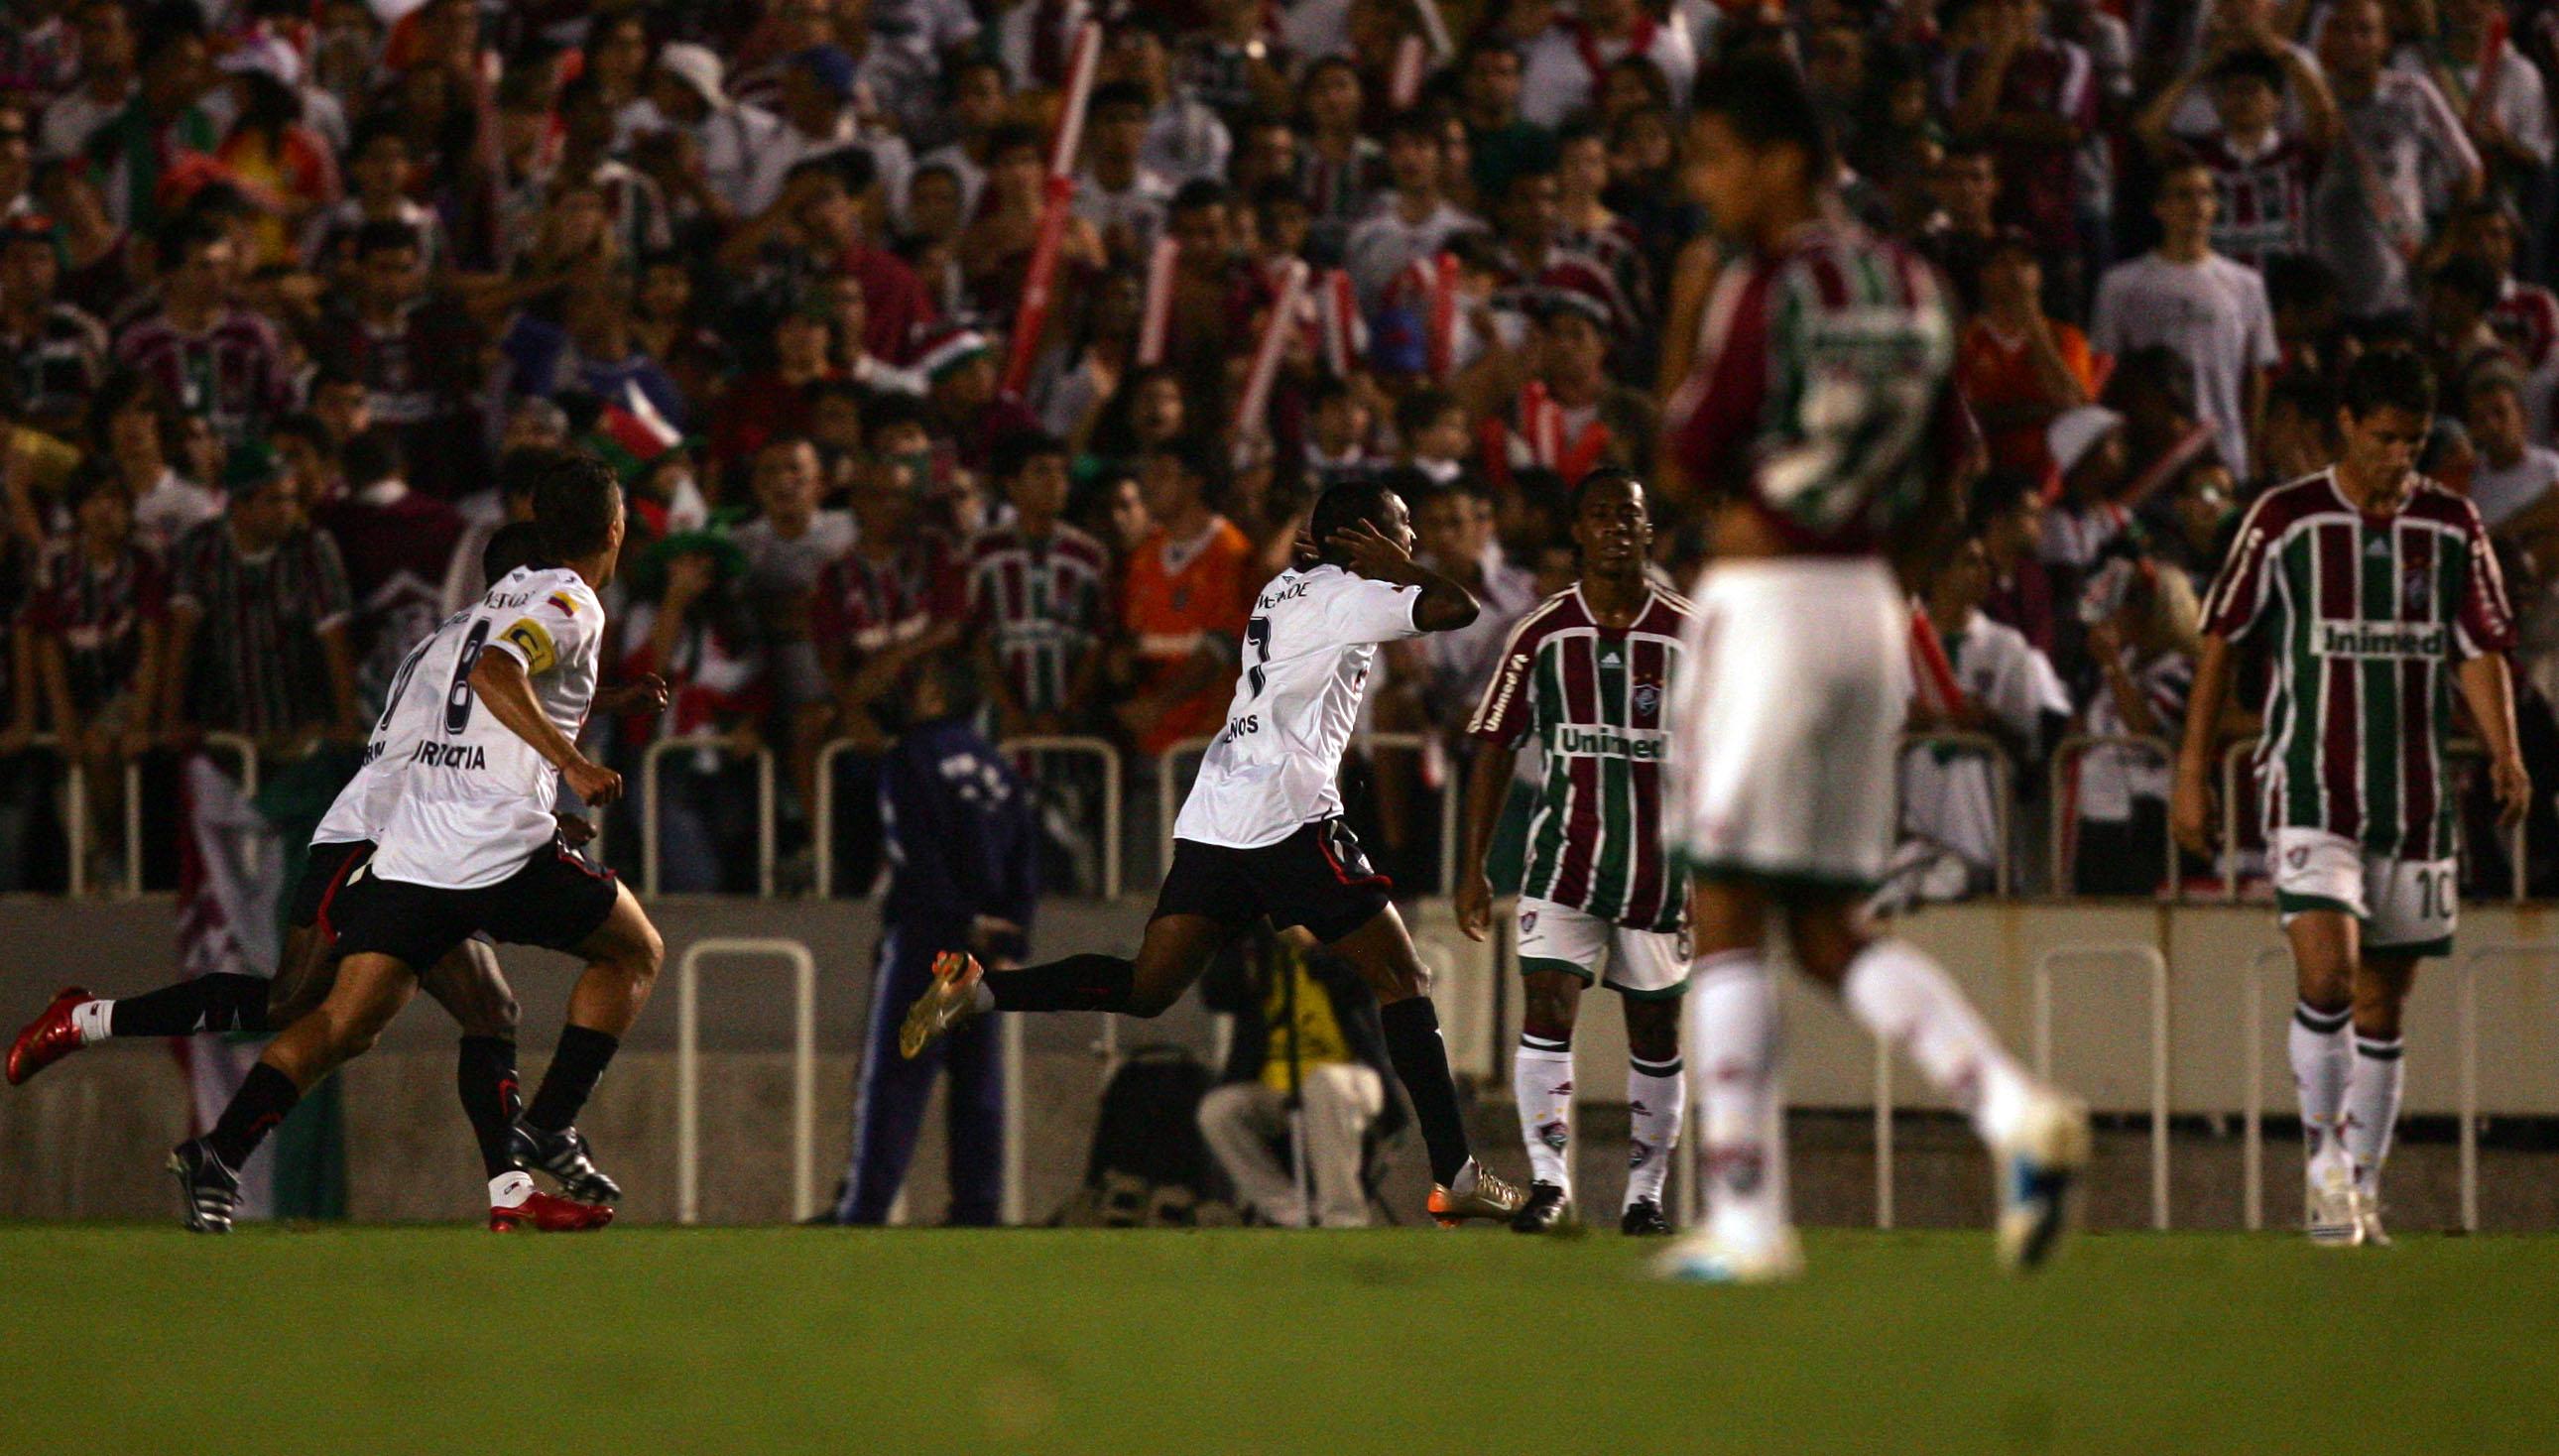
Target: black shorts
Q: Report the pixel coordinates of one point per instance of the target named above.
(556, 901)
(323, 870)
(1318, 878)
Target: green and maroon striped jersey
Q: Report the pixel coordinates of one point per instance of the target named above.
(2363, 618)
(1596, 698)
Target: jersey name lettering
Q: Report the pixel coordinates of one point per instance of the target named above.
(434, 755)
(2380, 640)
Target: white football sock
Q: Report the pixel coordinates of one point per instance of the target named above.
(1733, 1042)
(95, 1021)
(1542, 1083)
(2322, 1056)
(2372, 1106)
(1656, 1100)
(510, 1190)
(1908, 1000)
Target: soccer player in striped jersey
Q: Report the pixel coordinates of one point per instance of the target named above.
(1819, 421)
(2374, 591)
(1586, 672)
(1261, 837)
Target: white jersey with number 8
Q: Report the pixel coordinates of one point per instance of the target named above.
(474, 799)
(1306, 653)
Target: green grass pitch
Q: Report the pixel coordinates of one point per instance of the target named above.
(738, 1341)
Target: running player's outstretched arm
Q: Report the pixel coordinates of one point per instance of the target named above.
(2190, 802)
(506, 691)
(1443, 605)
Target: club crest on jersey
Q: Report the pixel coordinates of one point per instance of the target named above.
(1649, 698)
(1527, 922)
(2297, 857)
(2412, 590)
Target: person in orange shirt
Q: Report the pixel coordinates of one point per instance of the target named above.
(2017, 367)
(1184, 604)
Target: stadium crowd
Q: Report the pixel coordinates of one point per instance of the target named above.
(284, 284)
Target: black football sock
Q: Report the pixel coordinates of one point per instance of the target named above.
(576, 1064)
(1077, 983)
(264, 1096)
(1421, 1061)
(220, 1002)
(485, 1078)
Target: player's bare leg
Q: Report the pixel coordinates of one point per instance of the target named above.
(2382, 981)
(1656, 1106)
(1542, 1089)
(623, 956)
(369, 990)
(2326, 944)
(1748, 1235)
(1176, 949)
(2038, 1137)
(1381, 951)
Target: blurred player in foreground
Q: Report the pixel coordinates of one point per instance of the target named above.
(1820, 422)
(2377, 594)
(1589, 671)
(1262, 832)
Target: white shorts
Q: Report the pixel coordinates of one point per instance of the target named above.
(1789, 705)
(1645, 964)
(2407, 906)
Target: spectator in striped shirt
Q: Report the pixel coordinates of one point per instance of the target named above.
(97, 619)
(1039, 596)
(209, 356)
(2262, 170)
(55, 353)
(136, 431)
(258, 607)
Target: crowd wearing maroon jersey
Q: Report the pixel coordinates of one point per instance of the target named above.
(285, 282)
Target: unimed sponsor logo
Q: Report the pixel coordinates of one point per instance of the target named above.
(1643, 744)
(2381, 639)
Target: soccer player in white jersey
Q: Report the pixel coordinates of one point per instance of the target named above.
(1820, 425)
(1262, 832)
(472, 848)
(467, 982)
(1589, 671)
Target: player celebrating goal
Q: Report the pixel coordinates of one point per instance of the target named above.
(467, 981)
(471, 846)
(2376, 593)
(1586, 672)
(1262, 834)
(1821, 421)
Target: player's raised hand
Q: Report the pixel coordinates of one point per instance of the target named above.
(595, 785)
(1373, 553)
(2513, 784)
(1475, 904)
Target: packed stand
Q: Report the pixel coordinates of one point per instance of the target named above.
(284, 285)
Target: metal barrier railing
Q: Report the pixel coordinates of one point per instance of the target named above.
(804, 1070)
(650, 851)
(2466, 968)
(1102, 750)
(75, 809)
(1107, 754)
(2066, 755)
(2156, 966)
(2002, 792)
(2252, 1095)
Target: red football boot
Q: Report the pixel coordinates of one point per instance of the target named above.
(545, 1213)
(49, 1038)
